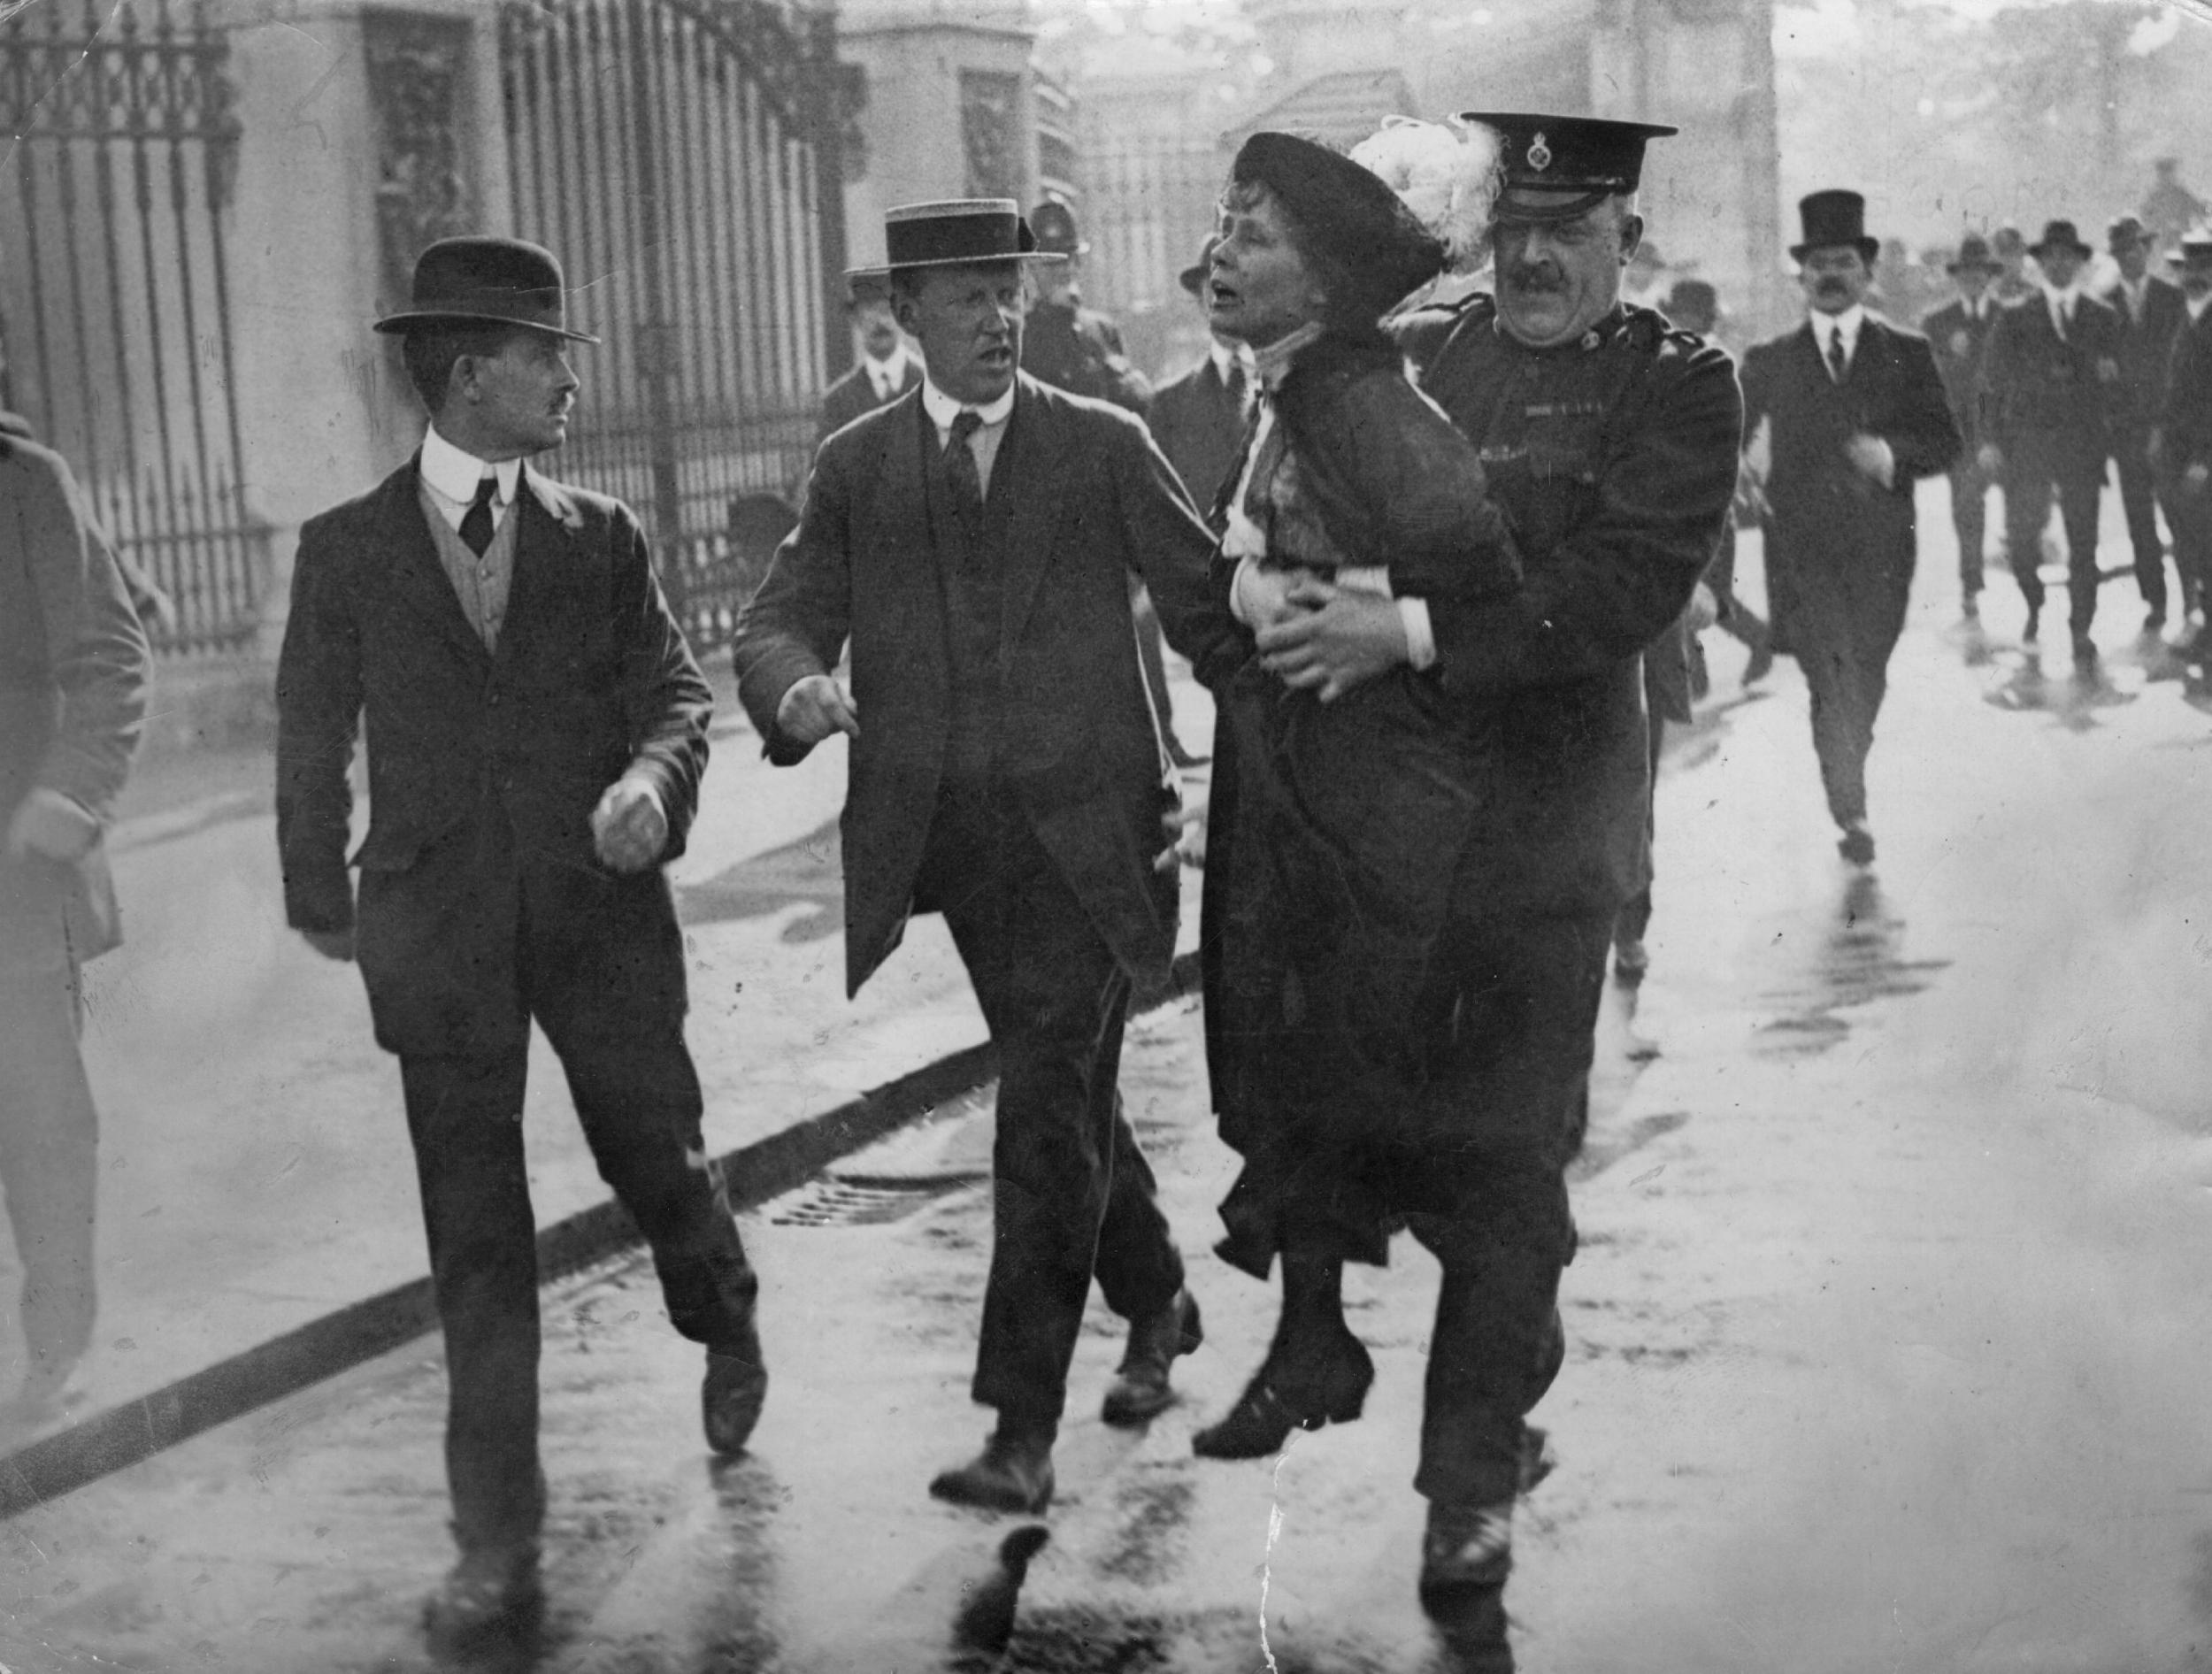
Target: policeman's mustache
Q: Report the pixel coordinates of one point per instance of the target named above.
(1537, 278)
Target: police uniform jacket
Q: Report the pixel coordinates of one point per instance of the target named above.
(2052, 394)
(1613, 459)
(1079, 349)
(1960, 343)
(73, 669)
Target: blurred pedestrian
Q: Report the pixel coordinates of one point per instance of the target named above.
(1958, 334)
(969, 545)
(2150, 312)
(2009, 246)
(883, 367)
(2049, 382)
(156, 611)
(2169, 209)
(2183, 447)
(73, 673)
(536, 734)
(1200, 416)
(1693, 305)
(1856, 414)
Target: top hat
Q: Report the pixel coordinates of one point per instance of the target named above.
(956, 232)
(1348, 212)
(1692, 296)
(1973, 253)
(1192, 279)
(1831, 219)
(1053, 223)
(2125, 234)
(477, 280)
(2059, 235)
(2196, 247)
(1588, 157)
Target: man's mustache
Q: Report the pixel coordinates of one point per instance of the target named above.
(1536, 279)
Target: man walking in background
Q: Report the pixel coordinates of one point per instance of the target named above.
(1958, 335)
(2150, 312)
(2184, 442)
(884, 368)
(537, 730)
(1199, 416)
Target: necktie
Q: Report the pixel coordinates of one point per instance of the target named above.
(2058, 317)
(960, 467)
(1835, 354)
(1240, 388)
(476, 525)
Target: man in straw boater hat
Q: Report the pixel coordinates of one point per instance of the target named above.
(537, 730)
(1609, 441)
(1855, 413)
(2183, 447)
(2048, 388)
(2149, 312)
(970, 544)
(1958, 335)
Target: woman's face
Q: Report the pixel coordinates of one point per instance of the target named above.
(1261, 288)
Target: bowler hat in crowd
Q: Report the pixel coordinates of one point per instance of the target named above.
(1831, 219)
(1054, 224)
(2059, 235)
(956, 232)
(485, 281)
(1572, 164)
(2125, 234)
(1345, 211)
(1192, 279)
(1692, 299)
(1973, 257)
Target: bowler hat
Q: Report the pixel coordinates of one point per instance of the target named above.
(1054, 224)
(2059, 235)
(1692, 299)
(956, 232)
(1347, 211)
(477, 280)
(1973, 253)
(2125, 234)
(1831, 219)
(1192, 279)
(1591, 157)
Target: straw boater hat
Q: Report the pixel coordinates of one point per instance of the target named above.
(486, 281)
(956, 232)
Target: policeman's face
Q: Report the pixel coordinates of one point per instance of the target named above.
(968, 320)
(1834, 278)
(1262, 287)
(515, 402)
(1557, 279)
(877, 326)
(2059, 266)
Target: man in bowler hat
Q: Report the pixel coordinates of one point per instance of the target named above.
(2048, 388)
(1856, 414)
(536, 733)
(1958, 335)
(970, 544)
(2150, 312)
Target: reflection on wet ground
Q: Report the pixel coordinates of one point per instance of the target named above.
(1857, 958)
(808, 872)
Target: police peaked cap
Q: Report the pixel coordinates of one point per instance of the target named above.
(1593, 158)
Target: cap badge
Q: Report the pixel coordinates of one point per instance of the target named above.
(1539, 154)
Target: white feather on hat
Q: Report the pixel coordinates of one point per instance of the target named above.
(1447, 173)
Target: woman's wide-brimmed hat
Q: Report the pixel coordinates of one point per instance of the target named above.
(1833, 218)
(955, 232)
(2059, 235)
(1363, 226)
(486, 281)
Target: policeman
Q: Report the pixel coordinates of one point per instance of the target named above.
(1610, 443)
(1071, 347)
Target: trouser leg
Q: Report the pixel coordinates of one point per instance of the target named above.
(1969, 495)
(1635, 914)
(2027, 508)
(465, 1116)
(1845, 698)
(48, 1162)
(2138, 498)
(2078, 496)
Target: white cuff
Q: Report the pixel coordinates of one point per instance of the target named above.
(1246, 567)
(1887, 475)
(1420, 637)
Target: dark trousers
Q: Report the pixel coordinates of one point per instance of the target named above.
(1635, 914)
(48, 1158)
(2035, 470)
(637, 1096)
(1521, 1062)
(2189, 512)
(1074, 1198)
(2139, 498)
(1970, 520)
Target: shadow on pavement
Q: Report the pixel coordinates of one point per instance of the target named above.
(1857, 958)
(808, 872)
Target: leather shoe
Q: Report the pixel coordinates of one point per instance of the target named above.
(730, 1398)
(1012, 1473)
(1466, 1549)
(1275, 1402)
(1141, 1389)
(1856, 845)
(493, 1593)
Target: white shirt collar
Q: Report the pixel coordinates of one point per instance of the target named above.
(943, 409)
(2063, 299)
(1224, 356)
(889, 373)
(1826, 325)
(455, 473)
(2196, 305)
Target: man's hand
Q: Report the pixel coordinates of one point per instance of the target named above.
(814, 707)
(52, 826)
(332, 944)
(1991, 458)
(1704, 609)
(1871, 457)
(1336, 642)
(1264, 595)
(628, 828)
(1184, 829)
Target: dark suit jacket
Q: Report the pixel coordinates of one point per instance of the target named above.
(1200, 426)
(1960, 343)
(855, 393)
(2146, 349)
(2055, 396)
(74, 670)
(1095, 500)
(2185, 416)
(474, 754)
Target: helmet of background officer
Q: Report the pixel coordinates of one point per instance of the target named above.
(2060, 253)
(1693, 305)
(1973, 267)
(2131, 246)
(1054, 224)
(1566, 222)
(1310, 237)
(959, 271)
(1835, 261)
(2196, 262)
